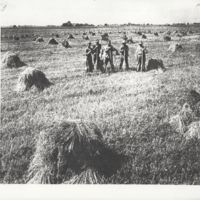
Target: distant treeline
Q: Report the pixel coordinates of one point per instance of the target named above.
(72, 25)
(86, 25)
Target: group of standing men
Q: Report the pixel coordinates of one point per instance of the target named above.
(98, 57)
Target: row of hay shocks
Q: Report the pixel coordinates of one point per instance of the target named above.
(92, 33)
(53, 41)
(70, 36)
(27, 78)
(175, 32)
(72, 152)
(33, 77)
(23, 36)
(187, 120)
(65, 43)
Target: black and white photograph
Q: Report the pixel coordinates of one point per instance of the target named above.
(102, 92)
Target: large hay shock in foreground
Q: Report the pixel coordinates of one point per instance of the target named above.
(31, 76)
(72, 151)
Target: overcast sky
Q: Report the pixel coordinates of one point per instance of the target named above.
(56, 12)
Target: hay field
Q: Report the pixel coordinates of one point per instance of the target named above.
(130, 108)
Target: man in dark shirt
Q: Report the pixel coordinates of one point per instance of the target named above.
(96, 51)
(124, 52)
(89, 61)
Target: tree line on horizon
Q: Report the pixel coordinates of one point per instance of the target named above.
(69, 24)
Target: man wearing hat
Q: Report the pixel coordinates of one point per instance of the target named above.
(124, 52)
(108, 55)
(141, 57)
(89, 62)
(97, 50)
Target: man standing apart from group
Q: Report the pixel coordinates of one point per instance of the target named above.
(124, 53)
(141, 57)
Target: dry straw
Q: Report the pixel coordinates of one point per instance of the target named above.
(52, 41)
(175, 47)
(193, 130)
(155, 64)
(167, 38)
(12, 60)
(85, 37)
(180, 121)
(89, 176)
(71, 148)
(70, 36)
(144, 36)
(32, 77)
(39, 39)
(185, 122)
(65, 44)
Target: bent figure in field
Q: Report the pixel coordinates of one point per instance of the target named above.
(97, 60)
(124, 53)
(107, 55)
(141, 57)
(89, 61)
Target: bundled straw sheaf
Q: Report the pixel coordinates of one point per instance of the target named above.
(70, 36)
(186, 121)
(89, 176)
(52, 41)
(12, 60)
(65, 44)
(71, 149)
(175, 47)
(39, 39)
(180, 121)
(85, 37)
(193, 130)
(155, 64)
(167, 38)
(32, 77)
(42, 166)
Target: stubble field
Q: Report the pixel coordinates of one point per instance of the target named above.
(131, 108)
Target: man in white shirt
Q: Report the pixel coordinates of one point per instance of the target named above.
(141, 57)
(107, 55)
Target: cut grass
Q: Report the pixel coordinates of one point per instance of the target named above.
(130, 108)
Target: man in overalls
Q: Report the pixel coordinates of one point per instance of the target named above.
(141, 57)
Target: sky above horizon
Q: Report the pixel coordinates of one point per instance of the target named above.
(56, 12)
